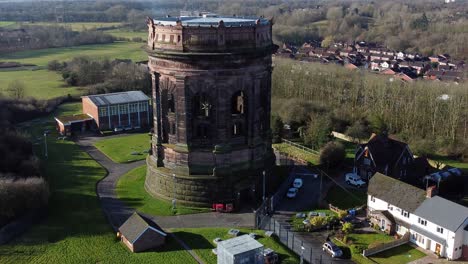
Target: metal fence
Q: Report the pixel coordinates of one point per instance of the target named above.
(294, 243)
(300, 146)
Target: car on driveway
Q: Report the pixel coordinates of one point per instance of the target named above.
(354, 180)
(332, 249)
(297, 183)
(292, 192)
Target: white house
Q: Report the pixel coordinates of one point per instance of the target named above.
(435, 223)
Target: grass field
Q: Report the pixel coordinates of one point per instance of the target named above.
(117, 50)
(7, 23)
(40, 84)
(130, 189)
(75, 230)
(78, 26)
(297, 153)
(126, 33)
(201, 241)
(343, 200)
(399, 255)
(120, 149)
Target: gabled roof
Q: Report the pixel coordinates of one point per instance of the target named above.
(136, 225)
(385, 150)
(395, 192)
(117, 98)
(443, 212)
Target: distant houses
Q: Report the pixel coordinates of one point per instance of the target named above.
(404, 66)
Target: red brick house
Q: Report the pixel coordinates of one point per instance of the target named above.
(140, 234)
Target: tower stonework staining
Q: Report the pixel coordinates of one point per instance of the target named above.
(211, 91)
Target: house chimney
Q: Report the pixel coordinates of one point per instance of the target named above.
(431, 191)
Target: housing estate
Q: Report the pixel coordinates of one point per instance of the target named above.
(129, 110)
(434, 223)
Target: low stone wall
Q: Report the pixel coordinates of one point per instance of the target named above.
(386, 246)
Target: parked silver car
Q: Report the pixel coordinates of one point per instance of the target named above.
(332, 249)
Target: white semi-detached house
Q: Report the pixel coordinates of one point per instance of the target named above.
(434, 223)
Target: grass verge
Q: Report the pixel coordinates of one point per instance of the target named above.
(343, 200)
(297, 153)
(130, 189)
(125, 149)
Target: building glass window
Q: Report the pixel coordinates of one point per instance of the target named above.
(113, 110)
(103, 111)
(239, 103)
(123, 109)
(133, 107)
(440, 230)
(422, 221)
(372, 199)
(405, 213)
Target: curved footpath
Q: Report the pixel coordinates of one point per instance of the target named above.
(117, 211)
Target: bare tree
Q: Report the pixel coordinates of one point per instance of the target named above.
(16, 89)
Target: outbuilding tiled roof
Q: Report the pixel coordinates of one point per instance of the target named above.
(135, 225)
(395, 192)
(117, 98)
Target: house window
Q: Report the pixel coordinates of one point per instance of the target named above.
(366, 161)
(238, 103)
(113, 110)
(390, 207)
(440, 230)
(405, 213)
(422, 221)
(372, 198)
(103, 111)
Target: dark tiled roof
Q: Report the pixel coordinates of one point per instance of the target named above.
(395, 192)
(385, 150)
(136, 225)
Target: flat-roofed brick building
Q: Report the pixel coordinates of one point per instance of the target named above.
(118, 110)
(126, 110)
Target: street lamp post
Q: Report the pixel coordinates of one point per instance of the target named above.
(302, 255)
(46, 154)
(174, 200)
(263, 185)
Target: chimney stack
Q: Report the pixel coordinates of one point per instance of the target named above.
(431, 191)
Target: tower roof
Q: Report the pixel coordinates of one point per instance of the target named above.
(200, 21)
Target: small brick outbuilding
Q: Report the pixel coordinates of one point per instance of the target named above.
(140, 234)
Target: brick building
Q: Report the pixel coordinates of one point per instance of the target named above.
(123, 110)
(212, 89)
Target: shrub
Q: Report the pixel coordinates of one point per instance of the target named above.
(318, 221)
(18, 196)
(332, 154)
(357, 249)
(347, 228)
(342, 214)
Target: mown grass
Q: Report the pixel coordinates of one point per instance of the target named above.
(40, 84)
(127, 33)
(7, 23)
(116, 50)
(120, 149)
(78, 26)
(344, 200)
(399, 255)
(75, 230)
(130, 189)
(297, 153)
(201, 241)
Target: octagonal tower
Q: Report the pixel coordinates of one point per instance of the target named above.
(211, 91)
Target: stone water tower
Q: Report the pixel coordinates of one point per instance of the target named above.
(211, 90)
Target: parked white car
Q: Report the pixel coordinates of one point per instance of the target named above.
(292, 192)
(297, 183)
(354, 180)
(332, 249)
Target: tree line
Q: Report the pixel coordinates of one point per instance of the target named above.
(315, 99)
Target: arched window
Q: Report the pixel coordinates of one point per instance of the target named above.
(201, 105)
(171, 103)
(237, 129)
(239, 103)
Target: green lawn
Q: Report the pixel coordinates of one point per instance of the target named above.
(40, 84)
(399, 255)
(7, 23)
(201, 241)
(344, 200)
(297, 153)
(75, 230)
(117, 50)
(130, 189)
(120, 149)
(127, 33)
(78, 26)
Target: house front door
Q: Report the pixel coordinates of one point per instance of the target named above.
(437, 249)
(428, 244)
(382, 224)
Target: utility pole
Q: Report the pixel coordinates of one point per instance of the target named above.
(174, 200)
(46, 154)
(264, 185)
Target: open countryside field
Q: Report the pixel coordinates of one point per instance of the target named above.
(131, 190)
(7, 23)
(40, 84)
(117, 50)
(201, 241)
(126, 148)
(75, 230)
(77, 26)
